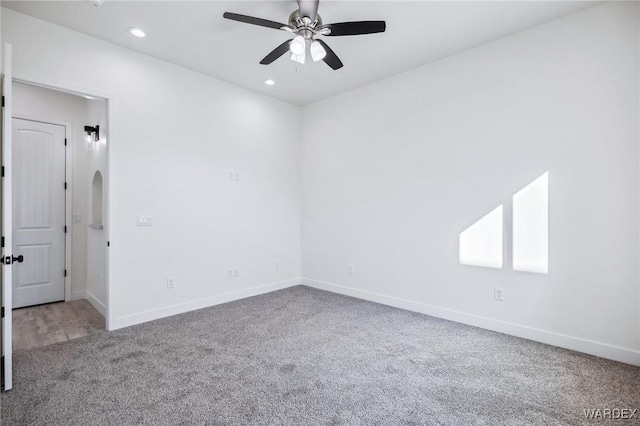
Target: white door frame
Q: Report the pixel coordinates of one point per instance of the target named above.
(109, 231)
(68, 194)
(7, 213)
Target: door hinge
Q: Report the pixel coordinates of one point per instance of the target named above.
(65, 185)
(65, 272)
(3, 102)
(108, 244)
(2, 242)
(2, 171)
(2, 312)
(65, 229)
(65, 141)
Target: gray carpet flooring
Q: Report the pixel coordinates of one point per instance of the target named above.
(304, 356)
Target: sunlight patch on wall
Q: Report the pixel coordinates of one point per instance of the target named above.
(481, 243)
(531, 227)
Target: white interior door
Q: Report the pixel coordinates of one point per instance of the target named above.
(38, 212)
(7, 282)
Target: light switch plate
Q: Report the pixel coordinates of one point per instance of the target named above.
(145, 221)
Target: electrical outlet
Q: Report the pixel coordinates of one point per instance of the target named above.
(145, 221)
(170, 282)
(350, 269)
(230, 273)
(498, 294)
(236, 272)
(277, 265)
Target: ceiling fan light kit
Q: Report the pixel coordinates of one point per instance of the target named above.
(298, 58)
(306, 24)
(298, 46)
(317, 51)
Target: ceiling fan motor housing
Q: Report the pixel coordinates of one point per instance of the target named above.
(301, 28)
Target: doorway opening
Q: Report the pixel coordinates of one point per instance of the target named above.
(59, 211)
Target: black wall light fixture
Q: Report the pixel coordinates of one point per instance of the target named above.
(92, 130)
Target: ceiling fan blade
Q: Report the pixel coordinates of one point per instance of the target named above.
(308, 8)
(276, 53)
(331, 58)
(254, 21)
(356, 28)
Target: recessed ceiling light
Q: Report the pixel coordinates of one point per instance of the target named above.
(269, 82)
(137, 32)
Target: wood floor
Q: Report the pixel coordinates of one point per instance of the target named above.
(43, 325)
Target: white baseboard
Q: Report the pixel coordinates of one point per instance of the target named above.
(628, 356)
(100, 307)
(139, 318)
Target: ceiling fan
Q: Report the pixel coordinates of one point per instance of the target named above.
(306, 24)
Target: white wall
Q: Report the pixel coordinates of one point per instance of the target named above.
(176, 135)
(96, 235)
(394, 171)
(49, 105)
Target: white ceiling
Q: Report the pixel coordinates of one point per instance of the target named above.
(195, 36)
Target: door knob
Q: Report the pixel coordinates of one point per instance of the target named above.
(8, 260)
